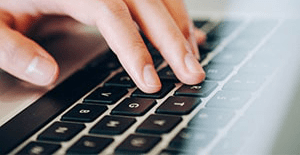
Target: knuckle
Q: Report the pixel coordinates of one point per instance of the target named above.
(10, 48)
(186, 30)
(13, 47)
(115, 8)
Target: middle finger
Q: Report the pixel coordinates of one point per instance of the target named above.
(161, 29)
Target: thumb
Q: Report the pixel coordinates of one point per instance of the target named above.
(25, 59)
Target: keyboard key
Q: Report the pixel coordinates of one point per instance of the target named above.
(207, 48)
(226, 57)
(89, 145)
(172, 152)
(211, 119)
(243, 44)
(106, 95)
(158, 124)
(192, 139)
(221, 31)
(244, 83)
(59, 131)
(178, 105)
(167, 74)
(166, 88)
(135, 144)
(252, 35)
(226, 27)
(244, 127)
(201, 90)
(157, 61)
(259, 28)
(228, 146)
(121, 80)
(112, 125)
(84, 113)
(229, 99)
(39, 148)
(134, 107)
(200, 23)
(258, 68)
(217, 72)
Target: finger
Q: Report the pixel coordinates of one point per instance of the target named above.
(25, 59)
(118, 28)
(200, 36)
(179, 13)
(161, 29)
(114, 21)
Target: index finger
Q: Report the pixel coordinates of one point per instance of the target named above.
(179, 13)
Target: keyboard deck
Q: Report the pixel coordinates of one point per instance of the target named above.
(117, 118)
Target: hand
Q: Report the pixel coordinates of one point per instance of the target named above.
(164, 22)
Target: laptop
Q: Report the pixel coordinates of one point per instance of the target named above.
(248, 103)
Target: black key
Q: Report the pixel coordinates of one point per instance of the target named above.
(167, 74)
(39, 148)
(226, 27)
(166, 88)
(201, 90)
(172, 152)
(229, 99)
(211, 119)
(178, 105)
(217, 72)
(138, 144)
(84, 113)
(134, 107)
(200, 23)
(89, 145)
(244, 83)
(106, 95)
(59, 131)
(121, 80)
(158, 124)
(207, 48)
(192, 139)
(112, 125)
(221, 31)
(157, 61)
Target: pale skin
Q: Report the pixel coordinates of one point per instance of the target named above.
(165, 22)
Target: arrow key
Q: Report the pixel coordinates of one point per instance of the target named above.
(159, 124)
(106, 95)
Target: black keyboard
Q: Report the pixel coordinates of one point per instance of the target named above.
(114, 117)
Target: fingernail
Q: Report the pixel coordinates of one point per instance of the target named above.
(150, 76)
(192, 64)
(41, 71)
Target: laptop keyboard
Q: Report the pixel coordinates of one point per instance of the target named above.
(117, 118)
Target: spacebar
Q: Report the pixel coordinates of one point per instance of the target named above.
(45, 109)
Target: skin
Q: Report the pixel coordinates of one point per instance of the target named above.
(165, 23)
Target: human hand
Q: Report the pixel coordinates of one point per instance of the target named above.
(165, 23)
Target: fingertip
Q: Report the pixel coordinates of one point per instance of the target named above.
(151, 90)
(200, 36)
(192, 73)
(42, 71)
(151, 80)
